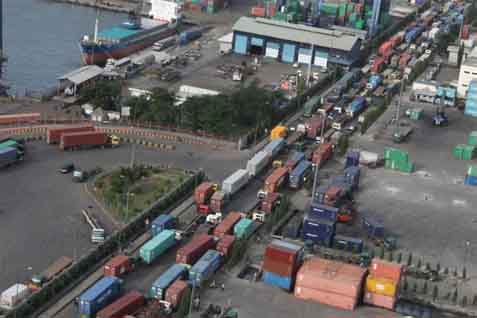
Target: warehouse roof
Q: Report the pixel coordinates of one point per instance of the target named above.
(296, 33)
(83, 74)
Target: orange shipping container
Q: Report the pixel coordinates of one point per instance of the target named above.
(379, 300)
(381, 286)
(227, 225)
(276, 180)
(331, 276)
(331, 299)
(384, 269)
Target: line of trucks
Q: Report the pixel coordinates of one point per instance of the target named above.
(80, 137)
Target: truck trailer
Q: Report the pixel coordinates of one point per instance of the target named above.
(87, 139)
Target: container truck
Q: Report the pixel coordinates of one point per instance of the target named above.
(128, 304)
(157, 246)
(218, 201)
(192, 251)
(102, 293)
(14, 144)
(53, 134)
(236, 181)
(300, 174)
(175, 292)
(257, 163)
(311, 106)
(10, 297)
(118, 266)
(374, 82)
(267, 207)
(273, 182)
(87, 139)
(160, 285)
(19, 118)
(227, 225)
(356, 107)
(8, 156)
(202, 195)
(244, 228)
(161, 223)
(294, 160)
(274, 147)
(205, 267)
(225, 245)
(53, 270)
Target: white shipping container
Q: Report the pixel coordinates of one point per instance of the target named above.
(257, 163)
(367, 157)
(235, 182)
(13, 295)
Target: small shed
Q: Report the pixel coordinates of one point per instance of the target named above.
(98, 115)
(225, 43)
(72, 82)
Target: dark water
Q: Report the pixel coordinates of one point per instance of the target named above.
(41, 40)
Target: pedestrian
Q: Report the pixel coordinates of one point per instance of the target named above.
(222, 286)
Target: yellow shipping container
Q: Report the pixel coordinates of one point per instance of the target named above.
(278, 132)
(381, 286)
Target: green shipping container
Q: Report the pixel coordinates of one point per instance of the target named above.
(407, 167)
(243, 228)
(468, 153)
(350, 8)
(472, 171)
(396, 154)
(157, 246)
(352, 17)
(211, 9)
(458, 151)
(359, 24)
(342, 10)
(472, 139)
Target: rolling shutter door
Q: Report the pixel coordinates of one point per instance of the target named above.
(240, 45)
(321, 59)
(272, 50)
(288, 53)
(256, 42)
(304, 56)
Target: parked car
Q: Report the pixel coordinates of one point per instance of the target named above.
(67, 168)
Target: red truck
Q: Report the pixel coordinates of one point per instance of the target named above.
(117, 266)
(202, 196)
(227, 225)
(192, 251)
(276, 180)
(53, 135)
(322, 154)
(87, 139)
(270, 202)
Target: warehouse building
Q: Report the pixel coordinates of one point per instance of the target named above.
(290, 43)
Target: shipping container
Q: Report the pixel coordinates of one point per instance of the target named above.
(327, 298)
(83, 139)
(102, 293)
(384, 269)
(53, 135)
(314, 126)
(373, 228)
(284, 282)
(13, 295)
(284, 252)
(203, 192)
(322, 154)
(227, 225)
(379, 300)
(381, 286)
(244, 228)
(205, 267)
(157, 246)
(117, 266)
(27, 118)
(270, 202)
(218, 201)
(323, 211)
(276, 180)
(175, 292)
(126, 305)
(225, 245)
(350, 244)
(300, 174)
(194, 249)
(160, 285)
(189, 35)
(161, 223)
(274, 147)
(295, 158)
(235, 182)
(258, 163)
(385, 48)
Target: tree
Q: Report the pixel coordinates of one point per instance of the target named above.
(103, 94)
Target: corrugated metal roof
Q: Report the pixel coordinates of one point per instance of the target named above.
(83, 74)
(296, 33)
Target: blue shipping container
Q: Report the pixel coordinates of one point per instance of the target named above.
(273, 279)
(298, 175)
(372, 227)
(205, 267)
(470, 180)
(8, 155)
(324, 212)
(187, 36)
(274, 147)
(161, 223)
(347, 243)
(101, 294)
(297, 156)
(176, 271)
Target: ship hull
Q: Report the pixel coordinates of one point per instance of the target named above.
(99, 53)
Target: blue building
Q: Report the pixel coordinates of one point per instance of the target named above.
(290, 43)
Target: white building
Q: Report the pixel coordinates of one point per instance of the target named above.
(467, 73)
(165, 10)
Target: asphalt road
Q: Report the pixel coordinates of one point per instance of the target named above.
(40, 216)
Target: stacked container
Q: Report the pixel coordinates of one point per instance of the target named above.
(205, 267)
(318, 230)
(280, 264)
(382, 284)
(464, 152)
(398, 160)
(227, 225)
(244, 228)
(471, 176)
(329, 282)
(471, 100)
(192, 251)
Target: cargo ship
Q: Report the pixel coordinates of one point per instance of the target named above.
(133, 35)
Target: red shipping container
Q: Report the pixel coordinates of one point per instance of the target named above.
(117, 266)
(276, 180)
(217, 201)
(257, 12)
(53, 135)
(280, 254)
(19, 118)
(279, 268)
(193, 250)
(203, 192)
(384, 269)
(332, 277)
(314, 126)
(127, 304)
(227, 224)
(269, 203)
(379, 300)
(332, 193)
(225, 245)
(175, 292)
(377, 65)
(322, 153)
(327, 298)
(84, 138)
